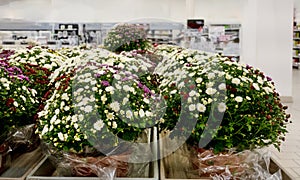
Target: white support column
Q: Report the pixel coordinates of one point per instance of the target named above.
(190, 8)
(267, 40)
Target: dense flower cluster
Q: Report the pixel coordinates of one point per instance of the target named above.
(18, 102)
(25, 79)
(126, 37)
(94, 97)
(98, 99)
(37, 56)
(242, 97)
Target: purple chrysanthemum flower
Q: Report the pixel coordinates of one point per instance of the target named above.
(105, 83)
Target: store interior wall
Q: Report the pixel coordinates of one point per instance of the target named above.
(220, 11)
(266, 24)
(94, 10)
(297, 10)
(273, 46)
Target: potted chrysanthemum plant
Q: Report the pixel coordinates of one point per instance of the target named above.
(216, 106)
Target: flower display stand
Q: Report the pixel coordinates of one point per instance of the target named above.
(21, 165)
(179, 165)
(164, 172)
(44, 170)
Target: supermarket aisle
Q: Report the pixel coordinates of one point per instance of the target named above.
(289, 156)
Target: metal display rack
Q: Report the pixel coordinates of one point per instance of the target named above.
(296, 47)
(56, 35)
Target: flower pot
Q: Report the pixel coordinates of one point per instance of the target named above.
(182, 164)
(46, 170)
(4, 157)
(20, 165)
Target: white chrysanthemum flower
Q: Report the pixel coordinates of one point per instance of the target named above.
(66, 108)
(222, 86)
(42, 113)
(6, 85)
(103, 98)
(115, 106)
(210, 84)
(15, 103)
(209, 100)
(110, 116)
(33, 92)
(199, 80)
(80, 117)
(57, 84)
(24, 88)
(211, 75)
(260, 80)
(122, 112)
(94, 89)
(62, 104)
(74, 119)
(228, 76)
(88, 75)
(192, 93)
(61, 136)
(65, 96)
(141, 113)
(126, 88)
(147, 101)
(210, 91)
(129, 114)
(189, 59)
(114, 125)
(56, 111)
(79, 90)
(222, 107)
(93, 82)
(256, 87)
(117, 76)
(192, 107)
(238, 99)
(47, 66)
(3, 80)
(192, 74)
(88, 109)
(268, 90)
(118, 86)
(57, 122)
(45, 130)
(125, 100)
(201, 107)
(181, 85)
(173, 91)
(77, 138)
(248, 98)
(149, 114)
(98, 125)
(236, 81)
(109, 89)
(53, 119)
(53, 64)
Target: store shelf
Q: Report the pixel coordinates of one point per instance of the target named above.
(296, 47)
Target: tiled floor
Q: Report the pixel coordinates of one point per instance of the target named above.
(289, 156)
